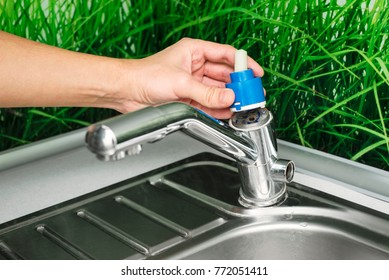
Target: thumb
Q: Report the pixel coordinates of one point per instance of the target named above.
(210, 97)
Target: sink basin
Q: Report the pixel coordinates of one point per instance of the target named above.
(288, 237)
(289, 241)
(189, 210)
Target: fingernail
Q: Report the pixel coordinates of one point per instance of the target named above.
(227, 97)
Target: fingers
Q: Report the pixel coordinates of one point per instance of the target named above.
(201, 70)
(221, 72)
(220, 54)
(215, 97)
(212, 83)
(208, 96)
(211, 51)
(257, 69)
(212, 64)
(216, 71)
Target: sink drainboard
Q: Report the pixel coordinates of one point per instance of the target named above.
(134, 219)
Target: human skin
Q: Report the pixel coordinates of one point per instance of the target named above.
(194, 71)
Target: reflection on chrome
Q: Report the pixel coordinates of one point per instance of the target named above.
(249, 139)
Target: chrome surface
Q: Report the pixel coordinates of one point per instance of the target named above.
(189, 210)
(263, 183)
(251, 142)
(155, 123)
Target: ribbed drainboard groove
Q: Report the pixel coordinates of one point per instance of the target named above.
(182, 231)
(63, 243)
(8, 253)
(114, 232)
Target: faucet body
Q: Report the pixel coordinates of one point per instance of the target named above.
(264, 181)
(249, 140)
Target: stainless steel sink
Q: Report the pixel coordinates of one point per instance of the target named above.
(308, 233)
(288, 240)
(190, 210)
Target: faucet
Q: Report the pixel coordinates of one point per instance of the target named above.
(249, 139)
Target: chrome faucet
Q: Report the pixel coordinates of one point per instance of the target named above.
(249, 139)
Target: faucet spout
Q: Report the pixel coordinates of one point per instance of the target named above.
(114, 138)
(260, 169)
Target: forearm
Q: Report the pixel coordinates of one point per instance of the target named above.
(34, 74)
(192, 71)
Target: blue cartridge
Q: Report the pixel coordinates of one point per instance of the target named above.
(248, 91)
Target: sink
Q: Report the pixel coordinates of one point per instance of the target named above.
(189, 209)
(289, 241)
(298, 235)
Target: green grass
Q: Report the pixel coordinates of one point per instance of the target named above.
(326, 65)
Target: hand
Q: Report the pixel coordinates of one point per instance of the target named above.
(191, 71)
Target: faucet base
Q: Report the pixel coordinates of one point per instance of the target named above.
(275, 200)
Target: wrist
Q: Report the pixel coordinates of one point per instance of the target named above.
(119, 88)
(100, 86)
